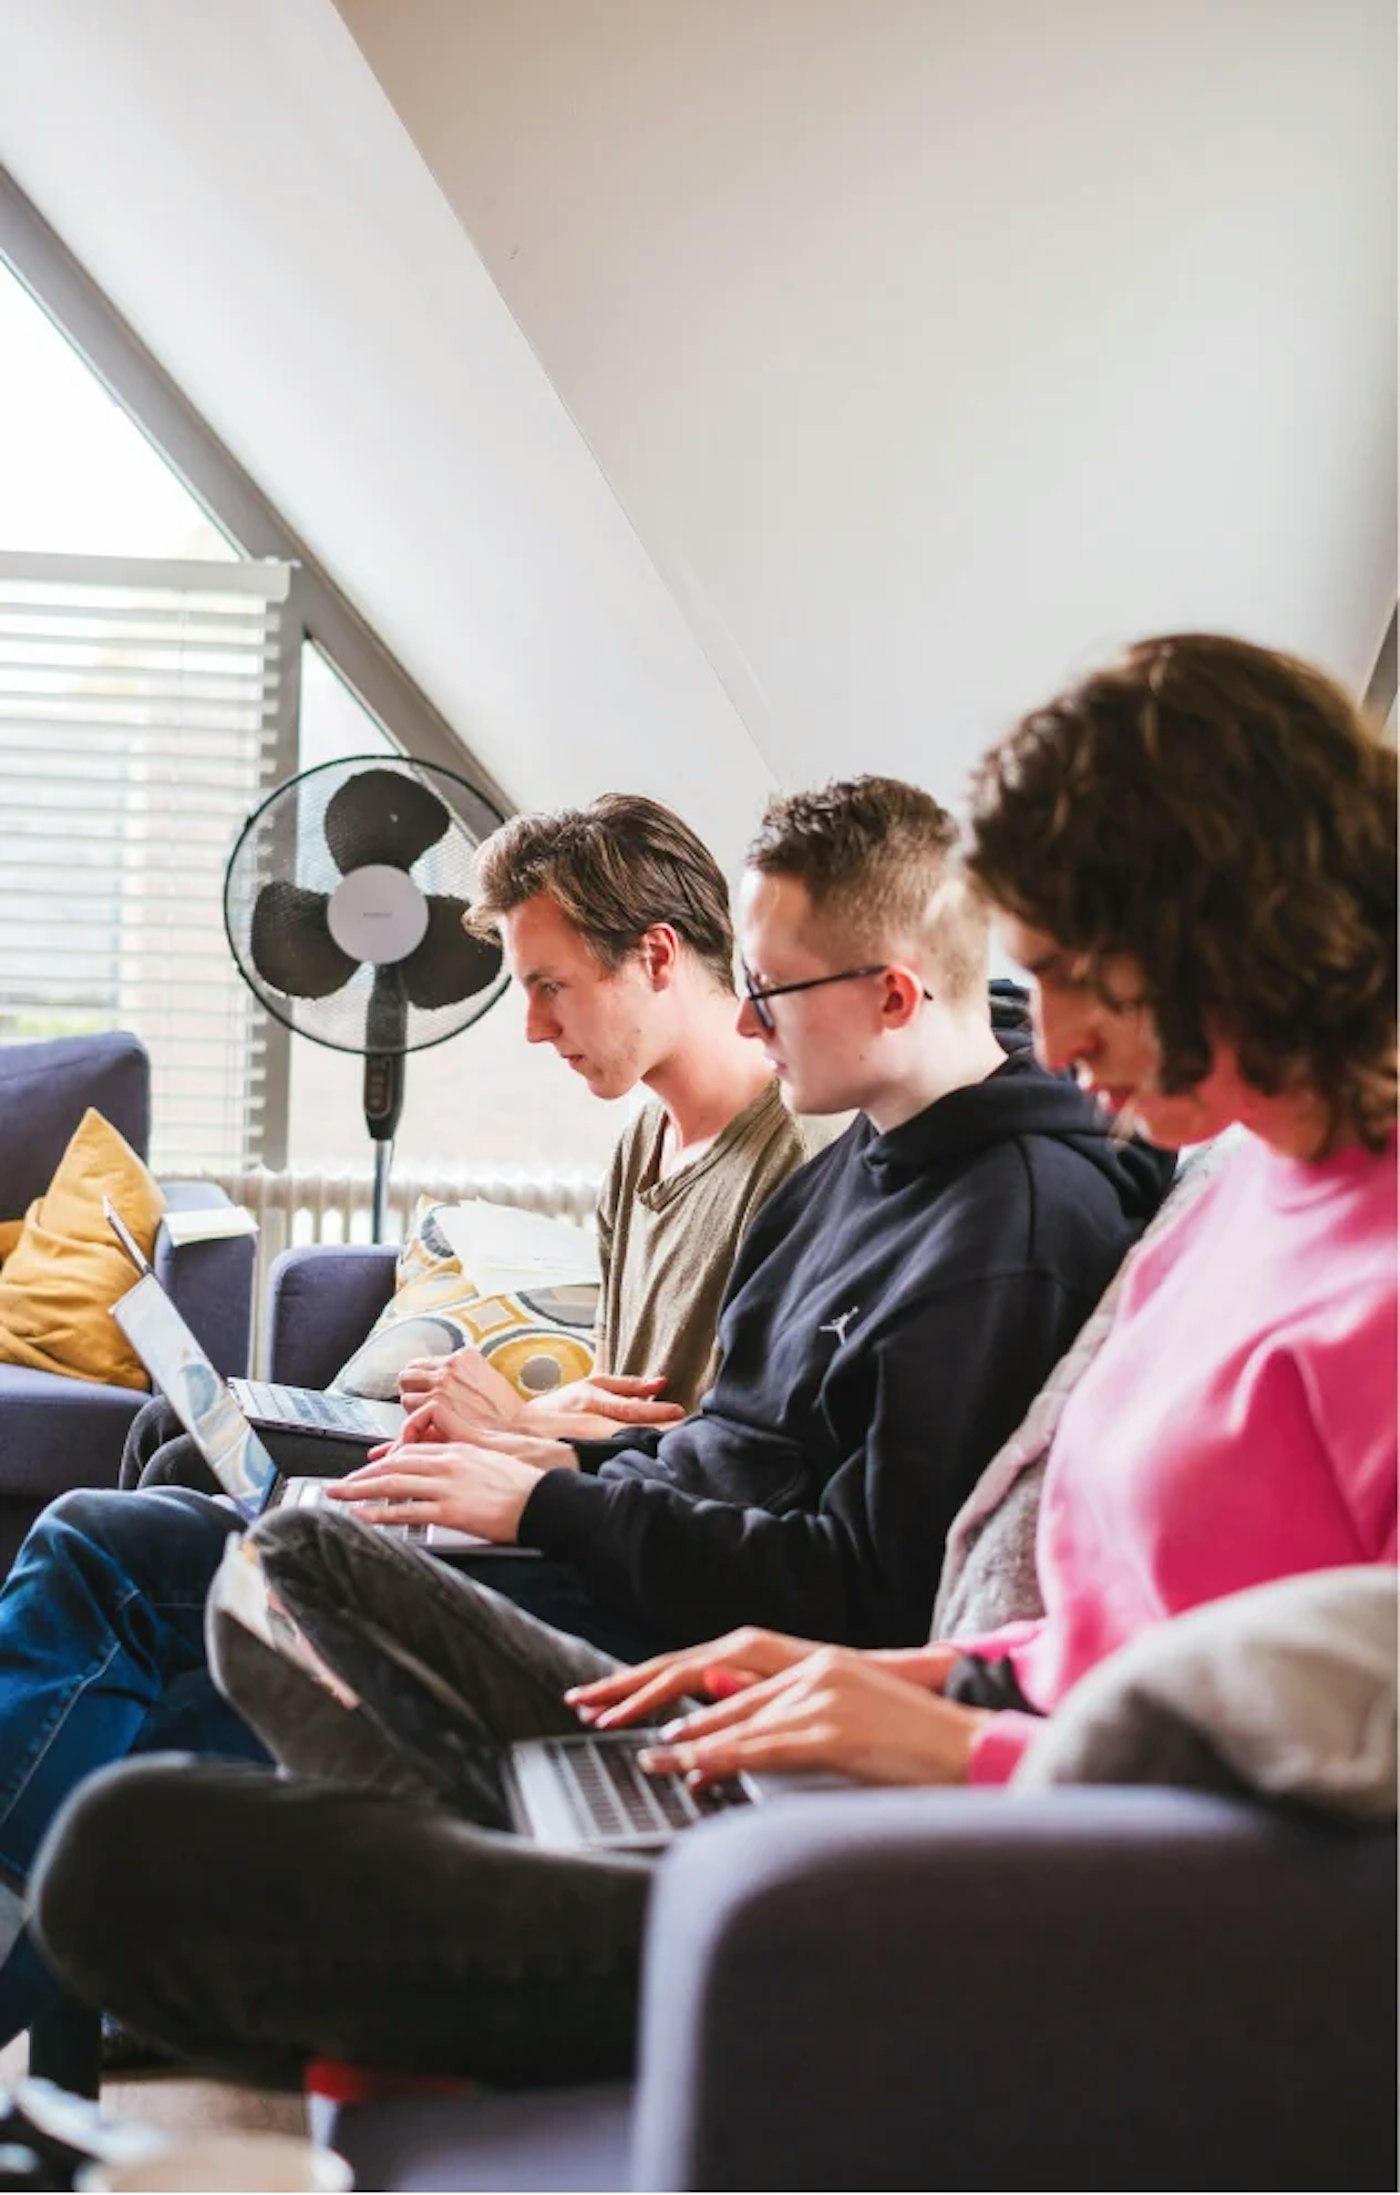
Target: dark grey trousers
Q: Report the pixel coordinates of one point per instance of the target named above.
(364, 1903)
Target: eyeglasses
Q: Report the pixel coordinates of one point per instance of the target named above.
(763, 1012)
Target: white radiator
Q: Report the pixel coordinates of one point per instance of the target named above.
(293, 1206)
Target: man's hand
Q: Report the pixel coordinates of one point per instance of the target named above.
(619, 1398)
(465, 1383)
(435, 1426)
(470, 1395)
(476, 1486)
(836, 1710)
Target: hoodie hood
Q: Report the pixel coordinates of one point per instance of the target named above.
(1020, 1099)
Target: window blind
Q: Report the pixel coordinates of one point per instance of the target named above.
(140, 721)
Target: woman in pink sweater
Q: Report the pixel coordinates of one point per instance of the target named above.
(1192, 855)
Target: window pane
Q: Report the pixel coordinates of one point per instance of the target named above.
(78, 477)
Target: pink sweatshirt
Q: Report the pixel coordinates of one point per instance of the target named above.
(1237, 1425)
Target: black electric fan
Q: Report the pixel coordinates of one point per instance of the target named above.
(343, 903)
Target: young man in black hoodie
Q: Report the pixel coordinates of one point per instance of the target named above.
(894, 1308)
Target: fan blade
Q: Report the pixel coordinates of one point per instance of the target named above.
(291, 946)
(386, 1015)
(449, 963)
(378, 816)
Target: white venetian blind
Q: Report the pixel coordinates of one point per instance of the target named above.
(139, 715)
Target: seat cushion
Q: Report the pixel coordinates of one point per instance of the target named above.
(56, 1433)
(541, 2139)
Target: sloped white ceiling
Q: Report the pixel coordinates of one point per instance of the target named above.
(697, 391)
(234, 178)
(933, 346)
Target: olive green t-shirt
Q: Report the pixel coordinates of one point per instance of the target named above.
(666, 1245)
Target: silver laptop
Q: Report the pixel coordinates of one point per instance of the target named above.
(587, 1793)
(206, 1406)
(290, 1409)
(318, 1412)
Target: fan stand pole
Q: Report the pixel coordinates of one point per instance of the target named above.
(383, 1160)
(383, 1105)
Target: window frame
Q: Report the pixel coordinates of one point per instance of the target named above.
(315, 610)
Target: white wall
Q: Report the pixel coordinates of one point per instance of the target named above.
(234, 178)
(931, 346)
(872, 359)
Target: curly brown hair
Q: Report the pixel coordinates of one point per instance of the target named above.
(1226, 815)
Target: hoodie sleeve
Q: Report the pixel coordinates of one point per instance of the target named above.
(937, 1399)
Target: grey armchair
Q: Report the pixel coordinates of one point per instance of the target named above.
(1094, 1988)
(57, 1433)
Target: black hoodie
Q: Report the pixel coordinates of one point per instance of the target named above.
(893, 1310)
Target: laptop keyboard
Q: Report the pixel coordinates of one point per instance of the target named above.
(311, 1494)
(613, 1798)
(267, 1399)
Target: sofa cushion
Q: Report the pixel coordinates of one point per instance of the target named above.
(575, 2138)
(520, 1288)
(1287, 1690)
(59, 1283)
(57, 1432)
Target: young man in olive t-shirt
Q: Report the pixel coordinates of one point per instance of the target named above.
(615, 922)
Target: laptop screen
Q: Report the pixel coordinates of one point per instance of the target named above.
(201, 1401)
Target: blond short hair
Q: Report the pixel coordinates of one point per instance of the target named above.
(879, 859)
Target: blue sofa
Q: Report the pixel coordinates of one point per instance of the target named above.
(1088, 1988)
(57, 1433)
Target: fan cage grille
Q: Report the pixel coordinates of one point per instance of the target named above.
(285, 839)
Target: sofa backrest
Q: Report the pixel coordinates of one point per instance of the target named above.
(45, 1090)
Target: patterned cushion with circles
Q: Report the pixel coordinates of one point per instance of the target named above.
(521, 1289)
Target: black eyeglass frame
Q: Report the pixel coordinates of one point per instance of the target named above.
(758, 999)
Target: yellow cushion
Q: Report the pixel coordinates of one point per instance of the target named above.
(10, 1232)
(59, 1282)
(539, 1336)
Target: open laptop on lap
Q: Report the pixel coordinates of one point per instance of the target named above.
(578, 1793)
(323, 1415)
(211, 1414)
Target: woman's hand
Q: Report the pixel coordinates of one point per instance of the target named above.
(724, 1667)
(719, 1667)
(480, 1486)
(836, 1710)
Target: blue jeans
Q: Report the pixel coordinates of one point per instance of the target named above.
(101, 1655)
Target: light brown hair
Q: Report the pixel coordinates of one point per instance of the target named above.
(1226, 816)
(614, 869)
(880, 858)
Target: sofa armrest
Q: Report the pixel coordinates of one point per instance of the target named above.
(322, 1302)
(1097, 1989)
(210, 1283)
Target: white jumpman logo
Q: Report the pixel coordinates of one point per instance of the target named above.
(838, 1325)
